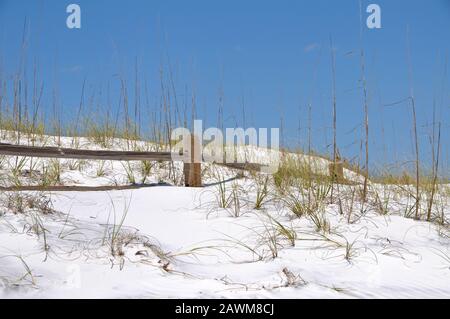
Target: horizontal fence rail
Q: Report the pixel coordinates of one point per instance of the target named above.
(58, 152)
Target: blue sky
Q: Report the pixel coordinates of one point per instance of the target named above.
(271, 56)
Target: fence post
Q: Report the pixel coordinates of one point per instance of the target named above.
(193, 170)
(336, 171)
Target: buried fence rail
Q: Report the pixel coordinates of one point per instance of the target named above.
(192, 171)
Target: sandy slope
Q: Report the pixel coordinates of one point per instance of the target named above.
(394, 256)
(175, 242)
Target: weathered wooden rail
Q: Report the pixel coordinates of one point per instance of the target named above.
(192, 171)
(58, 152)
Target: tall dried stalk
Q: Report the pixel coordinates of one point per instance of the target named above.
(416, 141)
(435, 168)
(366, 109)
(335, 152)
(333, 70)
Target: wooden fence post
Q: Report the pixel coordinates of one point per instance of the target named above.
(193, 170)
(336, 171)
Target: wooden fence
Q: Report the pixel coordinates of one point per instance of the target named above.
(192, 171)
